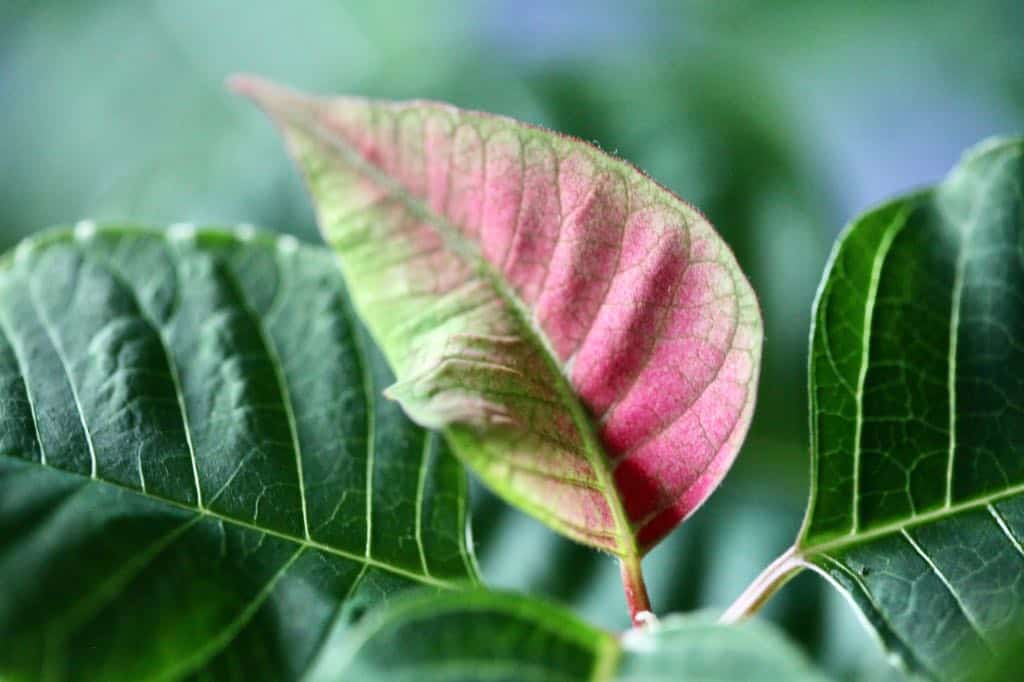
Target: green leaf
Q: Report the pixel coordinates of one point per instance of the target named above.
(478, 635)
(583, 336)
(917, 422)
(198, 475)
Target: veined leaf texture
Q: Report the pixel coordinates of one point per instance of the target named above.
(198, 475)
(585, 339)
(917, 419)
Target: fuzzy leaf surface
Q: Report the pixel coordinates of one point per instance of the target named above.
(198, 476)
(584, 337)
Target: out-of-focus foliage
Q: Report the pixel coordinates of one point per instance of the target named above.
(492, 635)
(780, 121)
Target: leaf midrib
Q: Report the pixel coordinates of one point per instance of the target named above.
(466, 249)
(939, 514)
(288, 537)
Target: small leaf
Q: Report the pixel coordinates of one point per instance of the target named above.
(584, 337)
(917, 422)
(197, 475)
(479, 635)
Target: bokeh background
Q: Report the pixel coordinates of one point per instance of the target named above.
(781, 121)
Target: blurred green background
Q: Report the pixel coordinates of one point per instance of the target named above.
(781, 121)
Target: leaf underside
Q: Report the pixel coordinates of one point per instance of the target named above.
(917, 390)
(585, 338)
(495, 636)
(198, 476)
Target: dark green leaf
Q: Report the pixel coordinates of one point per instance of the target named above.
(198, 475)
(917, 389)
(494, 636)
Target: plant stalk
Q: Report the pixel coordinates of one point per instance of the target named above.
(636, 591)
(772, 578)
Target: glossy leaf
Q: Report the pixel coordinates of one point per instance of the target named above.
(917, 390)
(197, 473)
(479, 635)
(583, 336)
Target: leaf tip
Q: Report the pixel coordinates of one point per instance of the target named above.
(273, 98)
(247, 85)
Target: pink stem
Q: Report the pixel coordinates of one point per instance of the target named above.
(636, 590)
(777, 574)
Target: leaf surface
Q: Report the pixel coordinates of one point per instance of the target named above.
(478, 635)
(585, 338)
(917, 422)
(198, 476)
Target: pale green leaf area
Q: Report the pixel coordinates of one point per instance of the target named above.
(496, 636)
(917, 419)
(199, 477)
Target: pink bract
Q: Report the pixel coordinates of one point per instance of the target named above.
(584, 337)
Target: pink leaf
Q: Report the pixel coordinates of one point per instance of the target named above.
(585, 338)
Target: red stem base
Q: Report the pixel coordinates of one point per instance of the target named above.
(636, 590)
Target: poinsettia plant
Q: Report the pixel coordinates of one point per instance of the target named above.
(225, 454)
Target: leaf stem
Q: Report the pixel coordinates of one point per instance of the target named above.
(772, 578)
(636, 590)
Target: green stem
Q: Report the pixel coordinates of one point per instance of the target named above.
(777, 574)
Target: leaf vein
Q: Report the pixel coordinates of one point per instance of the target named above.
(277, 367)
(949, 587)
(877, 265)
(1001, 522)
(23, 375)
(314, 544)
(48, 328)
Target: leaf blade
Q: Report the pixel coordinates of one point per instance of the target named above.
(486, 635)
(231, 483)
(535, 296)
(917, 477)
